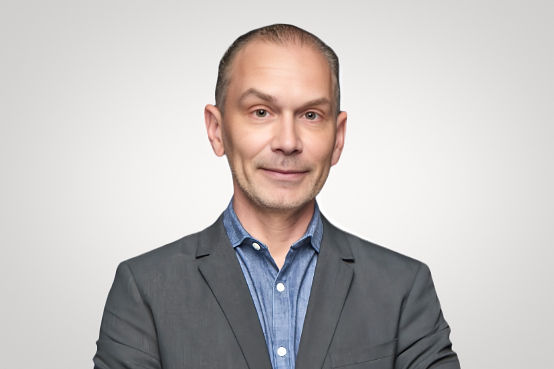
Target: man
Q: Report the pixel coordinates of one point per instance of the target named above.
(272, 284)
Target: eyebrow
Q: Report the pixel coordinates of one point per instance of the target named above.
(266, 97)
(257, 93)
(320, 101)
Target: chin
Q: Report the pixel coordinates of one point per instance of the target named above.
(282, 205)
(281, 201)
(267, 195)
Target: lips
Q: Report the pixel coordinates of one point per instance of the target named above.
(285, 171)
(284, 174)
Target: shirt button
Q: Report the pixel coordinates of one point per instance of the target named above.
(280, 287)
(256, 246)
(281, 351)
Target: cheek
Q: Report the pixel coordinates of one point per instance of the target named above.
(244, 145)
(321, 151)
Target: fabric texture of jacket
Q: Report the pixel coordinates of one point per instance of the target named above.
(187, 305)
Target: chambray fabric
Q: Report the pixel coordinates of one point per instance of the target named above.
(281, 314)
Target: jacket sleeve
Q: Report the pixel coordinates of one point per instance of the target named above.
(127, 333)
(423, 336)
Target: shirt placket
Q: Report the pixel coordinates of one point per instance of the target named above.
(281, 322)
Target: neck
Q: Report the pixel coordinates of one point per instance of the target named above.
(278, 229)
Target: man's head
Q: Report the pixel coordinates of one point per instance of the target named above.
(281, 130)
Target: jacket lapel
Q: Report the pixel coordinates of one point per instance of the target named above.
(220, 268)
(332, 278)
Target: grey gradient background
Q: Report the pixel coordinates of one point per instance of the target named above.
(448, 157)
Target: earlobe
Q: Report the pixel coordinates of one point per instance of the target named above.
(213, 119)
(339, 139)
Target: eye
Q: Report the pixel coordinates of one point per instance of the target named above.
(260, 113)
(311, 115)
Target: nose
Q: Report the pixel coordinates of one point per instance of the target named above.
(286, 137)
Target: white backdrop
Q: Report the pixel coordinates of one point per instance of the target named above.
(448, 158)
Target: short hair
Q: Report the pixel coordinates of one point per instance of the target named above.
(279, 34)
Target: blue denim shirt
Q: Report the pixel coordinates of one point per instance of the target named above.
(280, 296)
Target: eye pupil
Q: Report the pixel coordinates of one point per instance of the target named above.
(261, 112)
(310, 115)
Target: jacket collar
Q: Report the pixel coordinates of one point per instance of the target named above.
(221, 270)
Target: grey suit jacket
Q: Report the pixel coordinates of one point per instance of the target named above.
(187, 305)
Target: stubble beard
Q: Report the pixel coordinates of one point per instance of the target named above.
(263, 198)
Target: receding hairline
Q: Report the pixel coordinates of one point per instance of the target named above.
(282, 35)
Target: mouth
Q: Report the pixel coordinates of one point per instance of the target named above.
(284, 174)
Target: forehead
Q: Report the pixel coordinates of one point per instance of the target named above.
(289, 70)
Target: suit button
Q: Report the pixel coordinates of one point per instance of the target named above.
(281, 351)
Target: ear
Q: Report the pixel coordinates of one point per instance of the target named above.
(339, 139)
(213, 120)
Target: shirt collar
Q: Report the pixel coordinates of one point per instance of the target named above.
(237, 234)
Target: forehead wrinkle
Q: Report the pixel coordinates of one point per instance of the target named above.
(237, 67)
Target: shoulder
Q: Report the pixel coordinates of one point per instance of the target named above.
(177, 254)
(373, 258)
